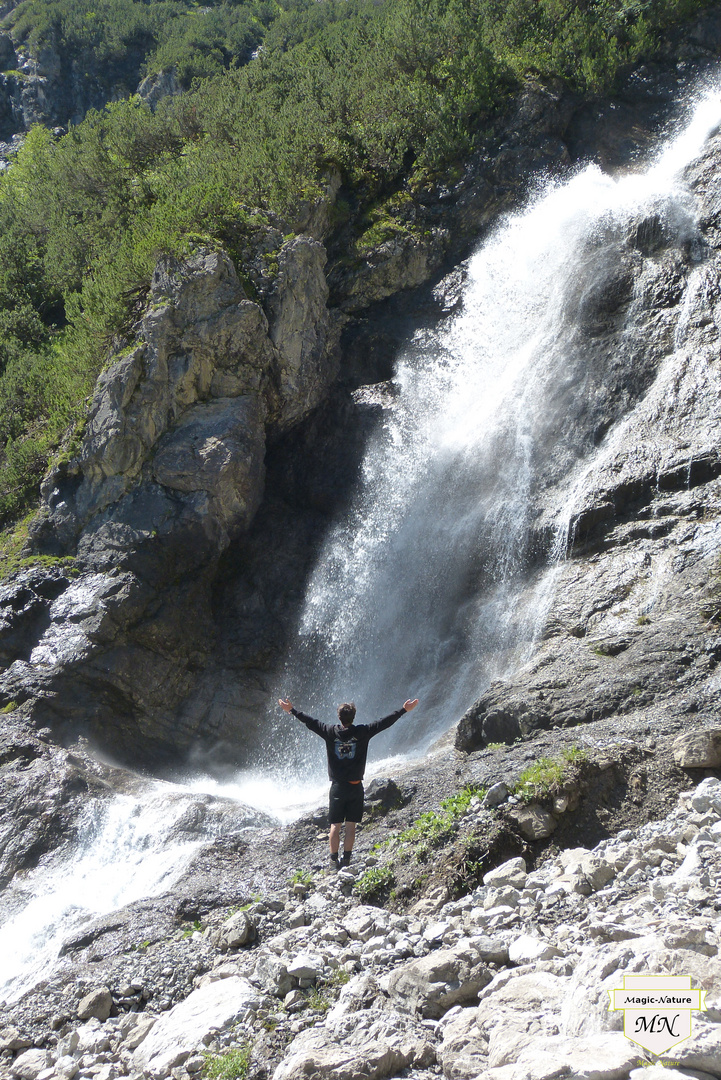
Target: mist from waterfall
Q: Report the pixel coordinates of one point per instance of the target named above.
(421, 589)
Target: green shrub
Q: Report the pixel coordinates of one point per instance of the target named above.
(547, 774)
(229, 1065)
(317, 1000)
(301, 877)
(375, 882)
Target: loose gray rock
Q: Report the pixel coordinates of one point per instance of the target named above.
(29, 1065)
(698, 749)
(238, 930)
(97, 1003)
(183, 1029)
(534, 822)
(511, 873)
(435, 983)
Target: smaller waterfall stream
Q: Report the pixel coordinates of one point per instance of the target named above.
(130, 847)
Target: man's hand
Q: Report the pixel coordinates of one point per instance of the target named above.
(288, 706)
(407, 705)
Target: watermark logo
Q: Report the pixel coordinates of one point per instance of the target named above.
(657, 1009)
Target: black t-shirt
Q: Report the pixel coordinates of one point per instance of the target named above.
(347, 747)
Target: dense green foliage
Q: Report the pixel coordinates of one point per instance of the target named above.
(197, 40)
(392, 93)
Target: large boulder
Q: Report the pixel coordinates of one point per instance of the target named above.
(435, 983)
(182, 1030)
(698, 749)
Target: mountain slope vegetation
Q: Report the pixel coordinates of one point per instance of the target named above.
(392, 95)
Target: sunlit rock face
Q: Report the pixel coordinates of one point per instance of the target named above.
(170, 469)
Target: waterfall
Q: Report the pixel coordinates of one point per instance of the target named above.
(435, 581)
(421, 589)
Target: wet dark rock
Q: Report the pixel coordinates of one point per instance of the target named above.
(44, 793)
(384, 795)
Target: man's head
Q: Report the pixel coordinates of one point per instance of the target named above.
(346, 714)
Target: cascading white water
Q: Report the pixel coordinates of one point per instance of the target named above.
(130, 847)
(417, 589)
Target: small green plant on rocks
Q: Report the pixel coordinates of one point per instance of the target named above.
(374, 882)
(230, 1065)
(197, 927)
(302, 877)
(317, 1000)
(337, 978)
(435, 827)
(546, 774)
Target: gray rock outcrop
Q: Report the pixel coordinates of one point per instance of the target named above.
(633, 623)
(170, 468)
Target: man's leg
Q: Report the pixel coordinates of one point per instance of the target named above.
(353, 818)
(335, 817)
(349, 838)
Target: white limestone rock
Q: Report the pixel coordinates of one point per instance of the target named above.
(517, 1009)
(463, 1052)
(528, 949)
(512, 872)
(181, 1031)
(305, 966)
(698, 749)
(97, 1003)
(703, 1050)
(272, 974)
(29, 1065)
(607, 1056)
(314, 1053)
(236, 931)
(435, 983)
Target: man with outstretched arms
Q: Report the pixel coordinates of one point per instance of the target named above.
(346, 745)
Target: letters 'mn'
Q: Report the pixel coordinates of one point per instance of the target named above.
(657, 1023)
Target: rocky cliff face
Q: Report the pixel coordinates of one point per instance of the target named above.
(634, 624)
(57, 89)
(170, 469)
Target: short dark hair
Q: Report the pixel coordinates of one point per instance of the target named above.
(346, 713)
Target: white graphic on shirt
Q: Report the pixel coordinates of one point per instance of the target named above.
(345, 751)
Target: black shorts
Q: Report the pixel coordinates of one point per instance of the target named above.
(346, 802)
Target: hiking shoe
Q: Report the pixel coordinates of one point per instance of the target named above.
(334, 864)
(345, 861)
